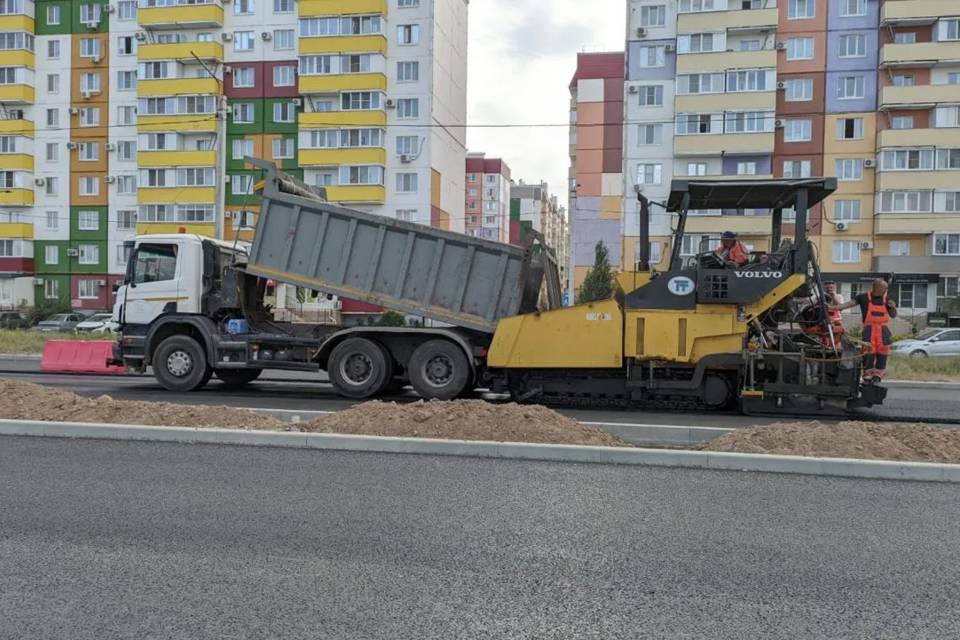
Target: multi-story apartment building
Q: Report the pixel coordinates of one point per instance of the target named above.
(532, 207)
(487, 198)
(134, 116)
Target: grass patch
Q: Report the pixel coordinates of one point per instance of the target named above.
(924, 369)
(30, 341)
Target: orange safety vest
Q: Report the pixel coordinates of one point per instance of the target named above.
(878, 317)
(736, 254)
(836, 319)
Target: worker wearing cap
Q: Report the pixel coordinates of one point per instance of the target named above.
(732, 250)
(876, 310)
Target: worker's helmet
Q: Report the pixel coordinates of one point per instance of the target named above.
(729, 235)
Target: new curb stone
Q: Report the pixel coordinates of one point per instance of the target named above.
(839, 467)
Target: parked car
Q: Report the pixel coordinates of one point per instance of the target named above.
(932, 342)
(13, 320)
(60, 322)
(98, 322)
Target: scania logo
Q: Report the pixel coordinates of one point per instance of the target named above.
(772, 275)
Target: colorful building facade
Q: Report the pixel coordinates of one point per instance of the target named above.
(487, 198)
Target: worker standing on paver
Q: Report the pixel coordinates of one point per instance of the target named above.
(876, 310)
(732, 250)
(835, 315)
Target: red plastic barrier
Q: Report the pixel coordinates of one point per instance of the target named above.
(78, 356)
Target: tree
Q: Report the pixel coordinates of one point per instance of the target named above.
(598, 285)
(391, 319)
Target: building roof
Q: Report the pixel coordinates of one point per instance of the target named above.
(592, 66)
(477, 163)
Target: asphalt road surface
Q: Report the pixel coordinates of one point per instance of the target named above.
(102, 540)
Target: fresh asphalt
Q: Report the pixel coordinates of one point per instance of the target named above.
(102, 540)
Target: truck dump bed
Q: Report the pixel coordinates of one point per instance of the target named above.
(303, 240)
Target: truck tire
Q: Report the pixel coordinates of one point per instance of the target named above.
(359, 368)
(439, 370)
(236, 378)
(180, 364)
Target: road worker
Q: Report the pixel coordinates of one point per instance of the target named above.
(877, 310)
(731, 250)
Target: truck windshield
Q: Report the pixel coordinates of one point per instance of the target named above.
(155, 262)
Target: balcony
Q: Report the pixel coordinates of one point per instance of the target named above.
(330, 119)
(23, 230)
(199, 228)
(146, 159)
(912, 11)
(710, 21)
(916, 180)
(17, 22)
(17, 197)
(910, 224)
(717, 102)
(920, 96)
(17, 94)
(185, 15)
(919, 54)
(916, 264)
(311, 8)
(181, 51)
(724, 60)
(178, 86)
(712, 144)
(176, 195)
(13, 127)
(343, 44)
(184, 123)
(342, 82)
(328, 157)
(943, 137)
(17, 58)
(16, 162)
(376, 194)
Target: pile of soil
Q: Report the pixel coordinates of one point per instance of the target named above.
(866, 440)
(462, 420)
(26, 401)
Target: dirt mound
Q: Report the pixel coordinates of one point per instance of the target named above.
(867, 440)
(462, 420)
(26, 401)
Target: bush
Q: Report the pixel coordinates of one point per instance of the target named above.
(46, 308)
(391, 319)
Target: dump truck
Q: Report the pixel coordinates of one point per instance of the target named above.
(699, 334)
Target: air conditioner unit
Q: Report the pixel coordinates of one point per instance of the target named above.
(111, 146)
(297, 102)
(101, 283)
(670, 48)
(633, 89)
(227, 68)
(781, 46)
(109, 8)
(265, 35)
(141, 36)
(91, 25)
(111, 179)
(95, 59)
(73, 253)
(86, 94)
(778, 124)
(781, 85)
(38, 282)
(226, 37)
(840, 226)
(390, 104)
(641, 33)
(71, 145)
(866, 244)
(40, 181)
(74, 111)
(869, 163)
(404, 158)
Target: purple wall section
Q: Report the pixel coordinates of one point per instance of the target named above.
(866, 63)
(587, 208)
(764, 164)
(867, 103)
(869, 21)
(636, 72)
(607, 231)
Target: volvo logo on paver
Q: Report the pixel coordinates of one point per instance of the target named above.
(680, 286)
(759, 274)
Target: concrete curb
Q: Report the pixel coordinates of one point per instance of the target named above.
(839, 467)
(920, 384)
(20, 356)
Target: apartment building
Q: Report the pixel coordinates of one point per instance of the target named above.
(534, 208)
(134, 116)
(487, 198)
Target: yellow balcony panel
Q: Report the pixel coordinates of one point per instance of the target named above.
(723, 60)
(917, 180)
(357, 193)
(324, 119)
(13, 127)
(343, 82)
(181, 51)
(913, 11)
(719, 143)
(919, 96)
(326, 157)
(200, 229)
(17, 94)
(714, 102)
(190, 16)
(312, 8)
(176, 159)
(22, 230)
(742, 225)
(16, 197)
(920, 53)
(173, 195)
(711, 21)
(17, 23)
(17, 58)
(913, 224)
(943, 137)
(180, 123)
(20, 161)
(178, 86)
(344, 44)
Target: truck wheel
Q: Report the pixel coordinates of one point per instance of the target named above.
(180, 364)
(359, 368)
(235, 378)
(439, 370)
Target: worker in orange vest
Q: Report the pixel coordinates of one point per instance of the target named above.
(732, 250)
(834, 315)
(877, 310)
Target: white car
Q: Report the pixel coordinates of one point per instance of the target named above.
(932, 342)
(98, 323)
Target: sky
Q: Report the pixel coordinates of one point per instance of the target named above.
(522, 55)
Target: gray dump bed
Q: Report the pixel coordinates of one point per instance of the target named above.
(457, 279)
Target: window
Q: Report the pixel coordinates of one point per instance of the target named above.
(319, 27)
(51, 254)
(951, 201)
(361, 175)
(799, 90)
(53, 152)
(126, 185)
(846, 251)
(356, 63)
(696, 43)
(850, 129)
(947, 116)
(800, 49)
(283, 39)
(90, 116)
(907, 159)
(749, 121)
(407, 183)
(241, 184)
(906, 201)
(651, 95)
(88, 220)
(126, 115)
(796, 169)
(902, 122)
(126, 150)
(903, 80)
(408, 108)
(89, 151)
(244, 77)
(89, 254)
(408, 71)
(243, 7)
(50, 186)
(408, 34)
(89, 48)
(283, 76)
(695, 123)
(90, 82)
(123, 252)
(909, 295)
(750, 45)
(242, 148)
(846, 210)
(851, 87)
(948, 158)
(797, 130)
(750, 80)
(649, 173)
(360, 100)
(283, 6)
(322, 139)
(155, 263)
(195, 177)
(691, 6)
(746, 168)
(850, 8)
(51, 288)
(53, 117)
(406, 4)
(800, 9)
(905, 37)
(316, 65)
(6, 180)
(243, 220)
(408, 145)
(946, 244)
(650, 134)
(949, 29)
(700, 83)
(691, 245)
(53, 83)
(53, 221)
(409, 215)
(853, 45)
(127, 10)
(90, 13)
(53, 49)
(899, 247)
(849, 169)
(653, 15)
(283, 148)
(651, 57)
(243, 113)
(361, 138)
(89, 186)
(53, 15)
(243, 40)
(126, 46)
(284, 112)
(126, 80)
